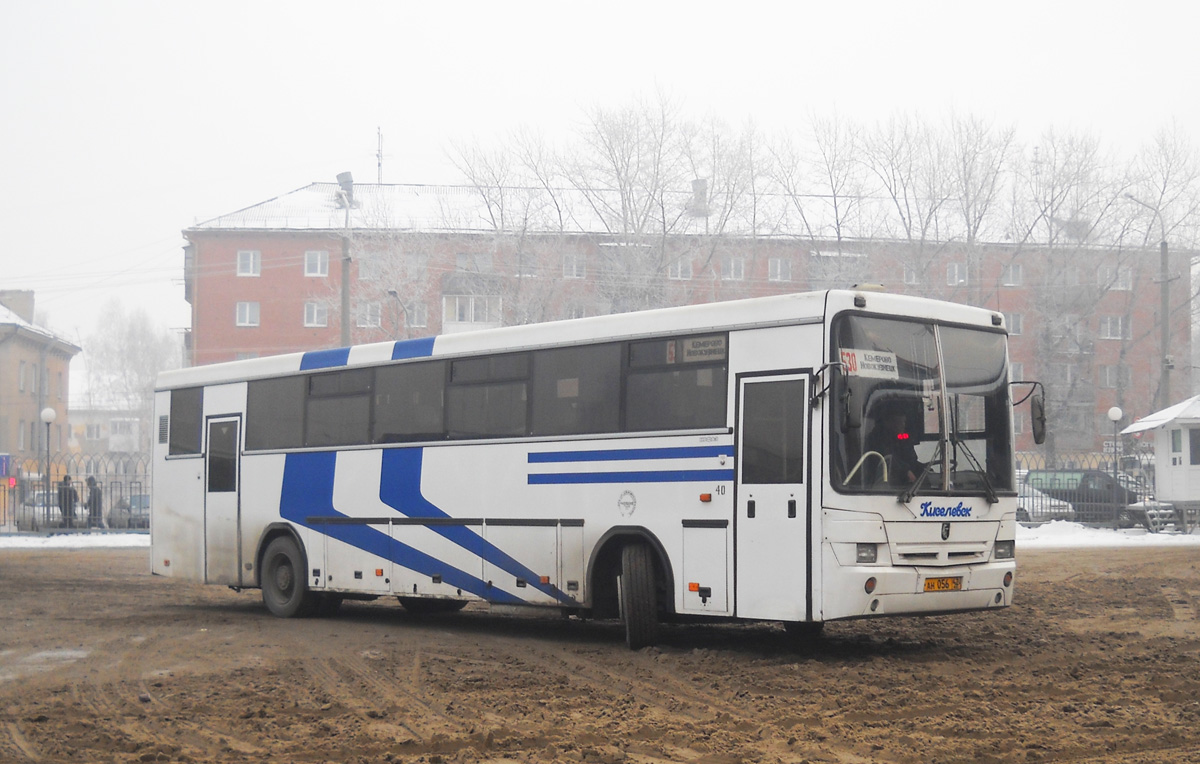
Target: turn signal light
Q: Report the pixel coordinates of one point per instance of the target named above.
(379, 571)
(706, 497)
(694, 586)
(1008, 578)
(544, 579)
(869, 587)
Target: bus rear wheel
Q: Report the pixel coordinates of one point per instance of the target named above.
(639, 604)
(284, 585)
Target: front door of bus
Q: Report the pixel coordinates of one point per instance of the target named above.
(772, 546)
(222, 510)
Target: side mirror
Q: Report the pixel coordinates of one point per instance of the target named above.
(851, 414)
(1037, 412)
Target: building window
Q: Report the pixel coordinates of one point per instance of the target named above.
(249, 262)
(21, 437)
(1013, 322)
(418, 315)
(62, 393)
(574, 266)
(370, 315)
(471, 309)
(1067, 277)
(246, 355)
(911, 277)
(92, 432)
(316, 314)
(247, 314)
(576, 311)
(779, 269)
(370, 267)
(680, 270)
(956, 274)
(733, 268)
(1115, 279)
(1115, 328)
(1016, 372)
(1064, 373)
(316, 263)
(1010, 275)
(1115, 376)
(527, 266)
(21, 377)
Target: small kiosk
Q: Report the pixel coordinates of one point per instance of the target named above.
(1176, 458)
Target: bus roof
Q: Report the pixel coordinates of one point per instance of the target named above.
(777, 310)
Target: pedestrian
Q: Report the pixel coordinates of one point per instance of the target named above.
(95, 503)
(68, 497)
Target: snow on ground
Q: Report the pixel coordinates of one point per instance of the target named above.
(1053, 535)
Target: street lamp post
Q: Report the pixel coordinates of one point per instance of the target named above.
(48, 416)
(1115, 415)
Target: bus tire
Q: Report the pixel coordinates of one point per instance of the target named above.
(639, 605)
(284, 585)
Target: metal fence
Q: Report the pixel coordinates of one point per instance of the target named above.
(78, 491)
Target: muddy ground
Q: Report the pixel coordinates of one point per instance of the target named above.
(100, 662)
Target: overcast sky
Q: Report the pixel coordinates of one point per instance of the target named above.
(125, 122)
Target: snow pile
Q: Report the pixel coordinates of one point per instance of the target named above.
(74, 540)
(1059, 534)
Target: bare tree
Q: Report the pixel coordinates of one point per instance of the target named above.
(124, 357)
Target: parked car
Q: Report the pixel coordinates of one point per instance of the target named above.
(1034, 506)
(36, 513)
(1096, 499)
(131, 512)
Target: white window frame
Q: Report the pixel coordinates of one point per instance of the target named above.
(370, 266)
(779, 269)
(1013, 322)
(370, 315)
(1115, 328)
(21, 437)
(733, 268)
(249, 262)
(574, 265)
(1115, 278)
(680, 270)
(418, 315)
(316, 263)
(477, 309)
(21, 377)
(1011, 275)
(316, 314)
(956, 274)
(247, 314)
(910, 277)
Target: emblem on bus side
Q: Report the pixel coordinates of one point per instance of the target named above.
(945, 531)
(627, 503)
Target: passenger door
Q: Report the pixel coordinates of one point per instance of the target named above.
(773, 554)
(222, 508)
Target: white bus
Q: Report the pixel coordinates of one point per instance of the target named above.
(715, 461)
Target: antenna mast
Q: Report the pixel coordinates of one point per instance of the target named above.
(379, 155)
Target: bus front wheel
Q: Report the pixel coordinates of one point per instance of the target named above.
(639, 604)
(284, 585)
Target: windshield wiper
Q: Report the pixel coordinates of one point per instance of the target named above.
(907, 494)
(987, 483)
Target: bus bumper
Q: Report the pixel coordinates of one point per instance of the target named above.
(868, 591)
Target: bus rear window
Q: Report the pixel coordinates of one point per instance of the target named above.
(187, 414)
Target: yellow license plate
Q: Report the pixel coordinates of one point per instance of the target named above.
(948, 584)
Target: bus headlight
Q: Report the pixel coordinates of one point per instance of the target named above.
(1005, 550)
(866, 553)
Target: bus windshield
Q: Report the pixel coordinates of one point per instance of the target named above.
(919, 407)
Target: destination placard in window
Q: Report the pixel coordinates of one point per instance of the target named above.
(870, 363)
(700, 349)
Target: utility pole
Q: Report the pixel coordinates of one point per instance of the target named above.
(1164, 387)
(346, 200)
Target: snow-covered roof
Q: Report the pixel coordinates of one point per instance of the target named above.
(1185, 412)
(9, 318)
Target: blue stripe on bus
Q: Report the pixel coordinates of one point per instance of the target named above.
(663, 476)
(308, 492)
(325, 359)
(400, 489)
(422, 348)
(623, 454)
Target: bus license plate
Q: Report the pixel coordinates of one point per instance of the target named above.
(948, 584)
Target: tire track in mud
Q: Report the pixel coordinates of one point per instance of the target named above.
(16, 747)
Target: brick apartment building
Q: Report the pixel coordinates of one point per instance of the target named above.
(34, 375)
(425, 260)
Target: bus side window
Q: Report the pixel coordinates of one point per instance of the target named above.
(577, 390)
(187, 414)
